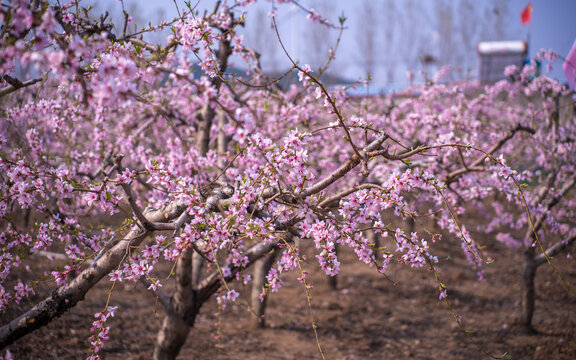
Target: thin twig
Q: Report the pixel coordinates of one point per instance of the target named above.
(326, 94)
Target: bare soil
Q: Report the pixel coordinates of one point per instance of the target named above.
(366, 317)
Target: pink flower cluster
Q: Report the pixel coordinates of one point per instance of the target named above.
(100, 331)
(309, 160)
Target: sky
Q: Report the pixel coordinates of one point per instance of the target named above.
(552, 27)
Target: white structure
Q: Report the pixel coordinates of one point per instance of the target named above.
(494, 56)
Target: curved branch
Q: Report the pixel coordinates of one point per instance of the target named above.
(406, 155)
(67, 296)
(328, 202)
(212, 283)
(345, 168)
(324, 91)
(475, 165)
(15, 84)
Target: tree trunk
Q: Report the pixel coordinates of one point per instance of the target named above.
(261, 269)
(528, 290)
(410, 225)
(171, 337)
(222, 140)
(374, 239)
(333, 280)
(186, 302)
(197, 267)
(177, 323)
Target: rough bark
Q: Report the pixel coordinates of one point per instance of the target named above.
(171, 337)
(222, 139)
(197, 266)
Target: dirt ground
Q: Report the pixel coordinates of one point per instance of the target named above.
(366, 317)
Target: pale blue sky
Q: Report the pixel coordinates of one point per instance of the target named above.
(553, 26)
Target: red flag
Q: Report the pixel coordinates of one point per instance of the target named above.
(526, 14)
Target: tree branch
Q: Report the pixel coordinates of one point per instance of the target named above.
(212, 282)
(327, 202)
(475, 165)
(549, 205)
(15, 84)
(553, 250)
(67, 296)
(344, 169)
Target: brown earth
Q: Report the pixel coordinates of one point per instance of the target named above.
(367, 317)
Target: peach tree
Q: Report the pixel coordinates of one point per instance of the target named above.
(117, 154)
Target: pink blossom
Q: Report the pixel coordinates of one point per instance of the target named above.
(510, 70)
(48, 21)
(232, 295)
(508, 240)
(305, 71)
(91, 198)
(22, 291)
(226, 272)
(116, 275)
(313, 16)
(68, 18)
(274, 280)
(23, 19)
(443, 294)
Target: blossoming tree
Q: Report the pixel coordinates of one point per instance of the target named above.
(115, 155)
